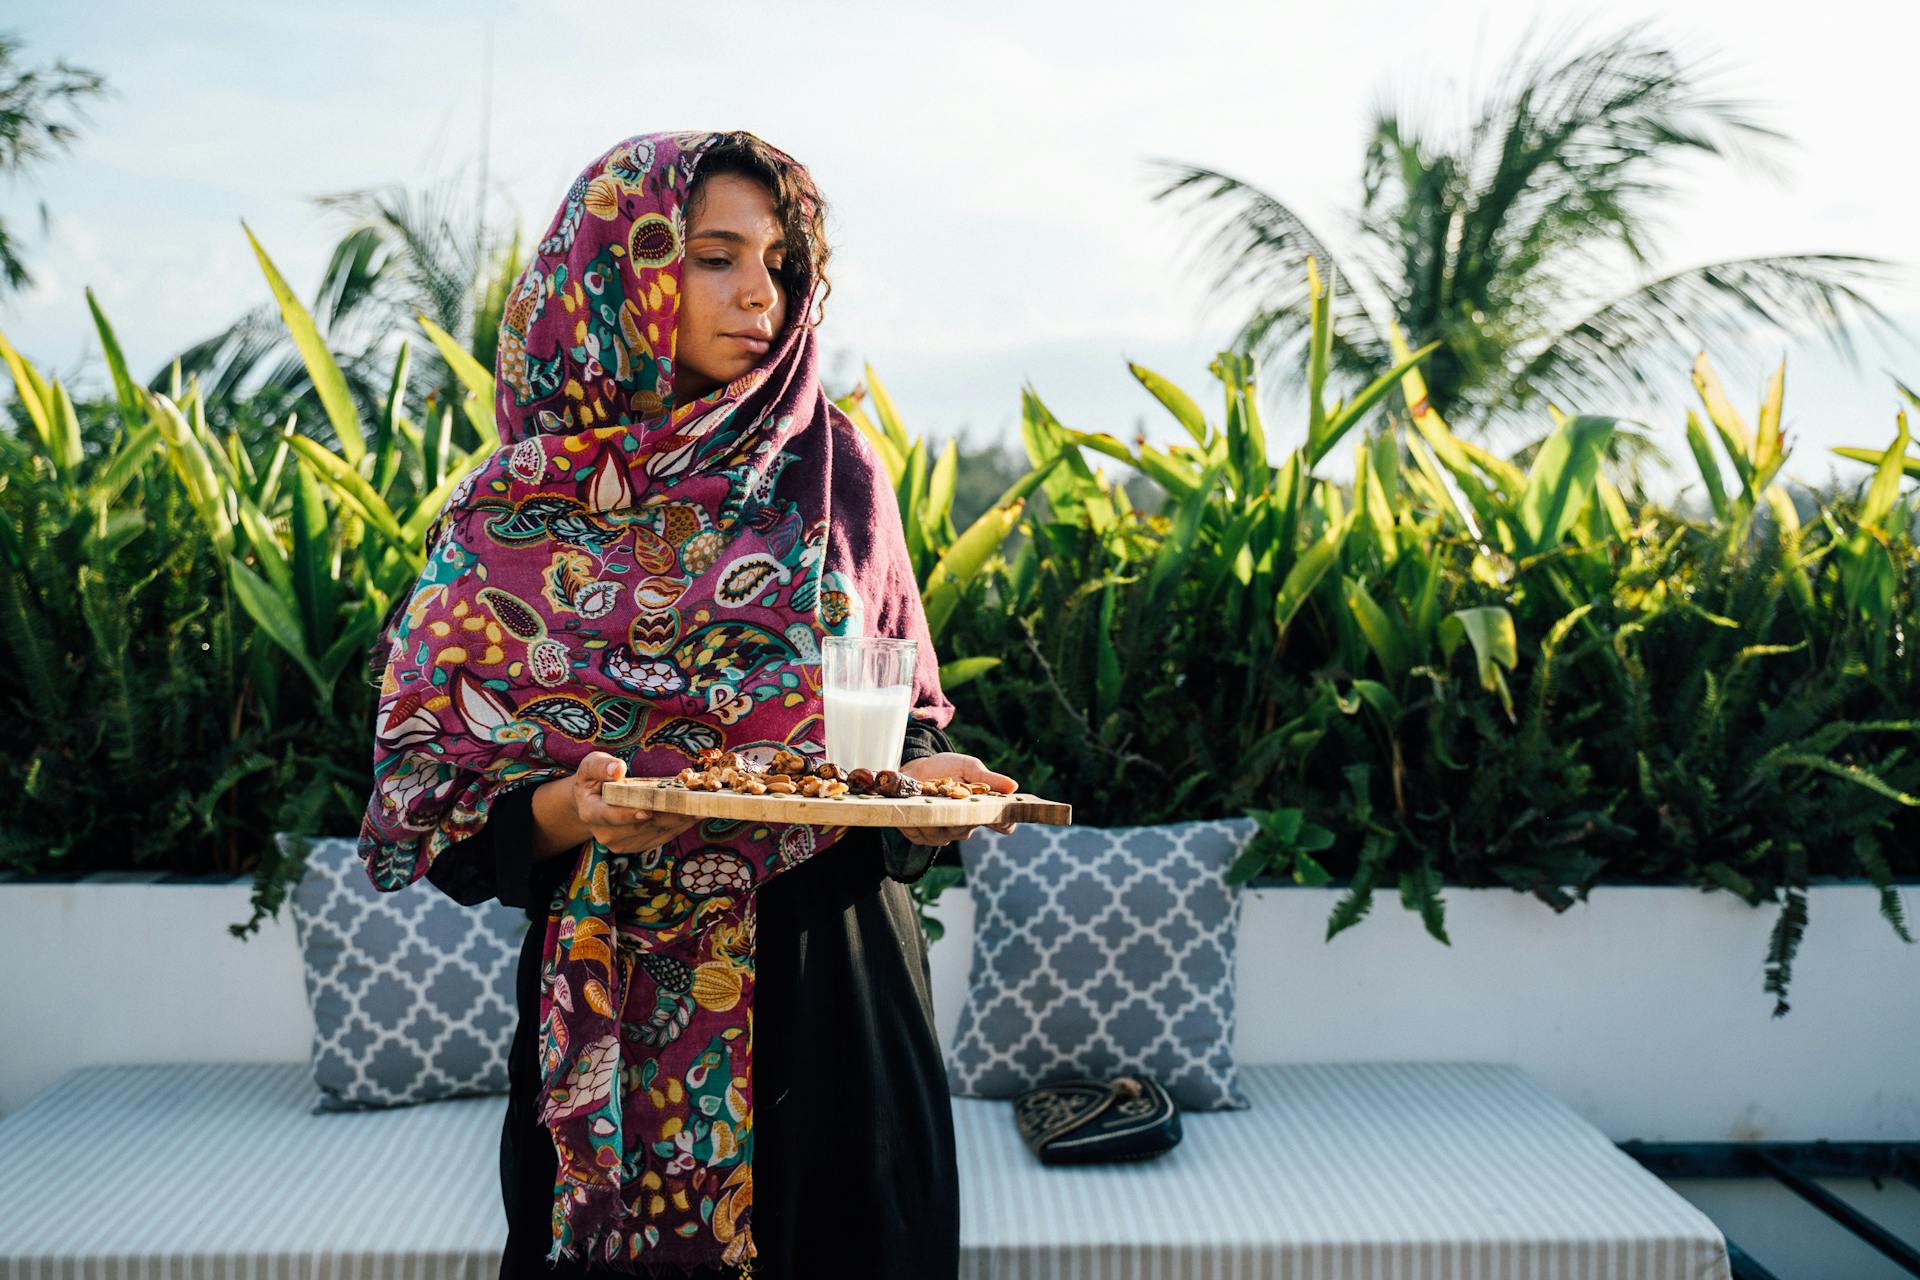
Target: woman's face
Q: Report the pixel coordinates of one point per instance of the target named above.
(727, 286)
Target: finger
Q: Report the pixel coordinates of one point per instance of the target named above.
(602, 766)
(650, 834)
(596, 811)
(973, 769)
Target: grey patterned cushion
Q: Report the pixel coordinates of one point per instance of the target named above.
(1098, 951)
(412, 993)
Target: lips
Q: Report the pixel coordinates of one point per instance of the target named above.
(753, 342)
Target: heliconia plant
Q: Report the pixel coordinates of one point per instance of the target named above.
(1455, 667)
(1449, 668)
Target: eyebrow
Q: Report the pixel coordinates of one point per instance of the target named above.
(733, 237)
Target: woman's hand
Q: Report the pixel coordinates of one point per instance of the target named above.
(952, 764)
(619, 827)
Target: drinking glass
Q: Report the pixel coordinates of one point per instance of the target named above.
(868, 690)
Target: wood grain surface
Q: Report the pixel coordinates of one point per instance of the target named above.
(838, 811)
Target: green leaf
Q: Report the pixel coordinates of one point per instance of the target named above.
(1387, 639)
(426, 508)
(975, 546)
(1490, 630)
(1320, 438)
(1247, 864)
(1851, 773)
(1560, 482)
(960, 670)
(125, 391)
(940, 486)
(1725, 418)
(908, 494)
(1311, 565)
(275, 616)
(891, 457)
(1338, 425)
(1708, 464)
(352, 642)
(1910, 464)
(127, 463)
(32, 392)
(1177, 402)
(474, 377)
(1381, 699)
(266, 547)
(194, 469)
(312, 573)
(1107, 667)
(1170, 562)
(328, 382)
(67, 451)
(472, 374)
(388, 438)
(890, 423)
(351, 488)
(1880, 494)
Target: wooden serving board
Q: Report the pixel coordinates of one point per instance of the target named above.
(838, 811)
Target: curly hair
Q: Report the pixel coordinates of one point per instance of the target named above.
(797, 205)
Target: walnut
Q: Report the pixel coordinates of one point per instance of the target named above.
(835, 788)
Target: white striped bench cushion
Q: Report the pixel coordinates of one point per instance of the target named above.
(1339, 1171)
(1416, 1171)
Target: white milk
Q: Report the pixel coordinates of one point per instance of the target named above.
(866, 728)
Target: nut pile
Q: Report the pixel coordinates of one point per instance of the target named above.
(791, 775)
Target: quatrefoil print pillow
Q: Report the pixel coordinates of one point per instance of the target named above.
(1099, 951)
(412, 992)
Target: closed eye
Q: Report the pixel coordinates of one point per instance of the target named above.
(717, 263)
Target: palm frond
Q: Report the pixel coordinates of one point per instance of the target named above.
(1260, 247)
(1671, 318)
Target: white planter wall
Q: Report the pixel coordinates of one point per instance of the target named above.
(127, 970)
(1642, 1008)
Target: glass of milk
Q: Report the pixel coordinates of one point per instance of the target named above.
(868, 689)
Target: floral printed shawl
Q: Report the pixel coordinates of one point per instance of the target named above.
(632, 574)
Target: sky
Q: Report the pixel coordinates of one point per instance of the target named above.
(987, 169)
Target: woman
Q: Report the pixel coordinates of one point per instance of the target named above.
(725, 1063)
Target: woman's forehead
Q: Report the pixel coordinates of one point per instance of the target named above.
(735, 209)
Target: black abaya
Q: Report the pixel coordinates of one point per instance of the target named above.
(854, 1172)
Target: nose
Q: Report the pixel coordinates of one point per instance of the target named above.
(760, 290)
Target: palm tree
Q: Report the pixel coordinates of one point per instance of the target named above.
(404, 254)
(1496, 244)
(32, 102)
